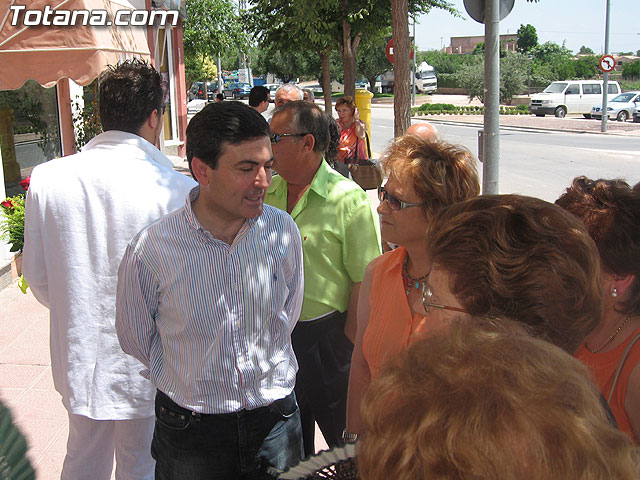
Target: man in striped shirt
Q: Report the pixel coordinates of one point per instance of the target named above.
(207, 299)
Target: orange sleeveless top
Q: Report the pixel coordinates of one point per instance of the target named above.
(392, 326)
(603, 367)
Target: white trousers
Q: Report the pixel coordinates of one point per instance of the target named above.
(92, 444)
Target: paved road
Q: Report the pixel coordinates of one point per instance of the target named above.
(537, 163)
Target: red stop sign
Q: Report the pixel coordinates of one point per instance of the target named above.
(389, 51)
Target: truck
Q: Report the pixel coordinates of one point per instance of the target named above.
(426, 80)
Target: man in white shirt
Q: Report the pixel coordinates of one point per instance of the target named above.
(207, 299)
(81, 212)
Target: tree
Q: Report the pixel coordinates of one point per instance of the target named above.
(372, 60)
(514, 68)
(211, 27)
(631, 70)
(586, 67)
(527, 38)
(585, 51)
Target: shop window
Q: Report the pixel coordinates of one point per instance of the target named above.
(29, 131)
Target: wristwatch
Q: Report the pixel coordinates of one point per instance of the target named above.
(348, 437)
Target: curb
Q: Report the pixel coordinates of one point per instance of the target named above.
(522, 127)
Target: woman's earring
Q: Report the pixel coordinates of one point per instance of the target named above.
(614, 292)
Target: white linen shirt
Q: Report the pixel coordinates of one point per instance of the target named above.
(212, 321)
(81, 212)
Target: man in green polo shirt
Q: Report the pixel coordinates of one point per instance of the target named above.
(340, 236)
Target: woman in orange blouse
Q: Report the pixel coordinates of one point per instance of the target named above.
(424, 176)
(353, 145)
(610, 209)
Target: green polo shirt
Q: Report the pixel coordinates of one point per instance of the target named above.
(340, 236)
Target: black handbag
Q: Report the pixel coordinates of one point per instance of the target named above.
(366, 173)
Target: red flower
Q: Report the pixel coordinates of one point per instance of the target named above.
(7, 204)
(25, 183)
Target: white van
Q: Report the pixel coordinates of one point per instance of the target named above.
(570, 96)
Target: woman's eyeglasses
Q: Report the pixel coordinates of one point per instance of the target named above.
(276, 137)
(393, 202)
(427, 301)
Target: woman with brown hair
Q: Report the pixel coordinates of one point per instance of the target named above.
(485, 400)
(353, 145)
(424, 176)
(514, 257)
(610, 210)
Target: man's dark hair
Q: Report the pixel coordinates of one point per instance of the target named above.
(222, 123)
(258, 95)
(128, 93)
(308, 118)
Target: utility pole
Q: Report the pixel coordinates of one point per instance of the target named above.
(605, 82)
(491, 137)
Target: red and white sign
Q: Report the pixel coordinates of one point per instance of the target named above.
(607, 63)
(389, 51)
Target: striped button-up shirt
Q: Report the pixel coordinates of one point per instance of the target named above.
(211, 321)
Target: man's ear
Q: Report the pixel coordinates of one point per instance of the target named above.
(309, 142)
(200, 171)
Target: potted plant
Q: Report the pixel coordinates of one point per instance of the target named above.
(12, 227)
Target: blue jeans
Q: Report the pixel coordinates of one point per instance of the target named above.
(241, 445)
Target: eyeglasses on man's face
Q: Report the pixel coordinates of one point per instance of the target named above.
(393, 202)
(428, 303)
(276, 137)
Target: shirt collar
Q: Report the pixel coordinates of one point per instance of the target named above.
(193, 222)
(318, 184)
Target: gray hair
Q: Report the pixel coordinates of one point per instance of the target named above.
(289, 87)
(308, 118)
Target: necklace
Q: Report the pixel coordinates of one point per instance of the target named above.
(408, 281)
(606, 342)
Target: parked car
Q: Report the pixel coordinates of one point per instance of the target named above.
(272, 90)
(570, 96)
(237, 90)
(636, 115)
(621, 107)
(197, 91)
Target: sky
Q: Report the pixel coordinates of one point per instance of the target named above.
(575, 22)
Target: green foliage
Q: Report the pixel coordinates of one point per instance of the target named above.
(448, 109)
(212, 26)
(372, 60)
(527, 38)
(514, 69)
(478, 49)
(631, 70)
(549, 51)
(585, 51)
(446, 63)
(12, 222)
(586, 67)
(286, 65)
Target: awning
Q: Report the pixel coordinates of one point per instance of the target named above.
(47, 53)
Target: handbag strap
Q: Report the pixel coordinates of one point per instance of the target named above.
(623, 359)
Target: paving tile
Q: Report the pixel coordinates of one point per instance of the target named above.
(40, 404)
(49, 466)
(20, 376)
(46, 381)
(10, 395)
(26, 349)
(40, 432)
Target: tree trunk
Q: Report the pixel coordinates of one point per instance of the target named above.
(326, 79)
(401, 66)
(349, 49)
(372, 83)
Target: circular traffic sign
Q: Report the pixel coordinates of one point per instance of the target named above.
(476, 9)
(607, 63)
(389, 51)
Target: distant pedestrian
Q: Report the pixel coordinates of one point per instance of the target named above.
(81, 213)
(308, 95)
(288, 92)
(259, 98)
(207, 299)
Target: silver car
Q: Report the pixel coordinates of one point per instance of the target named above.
(621, 107)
